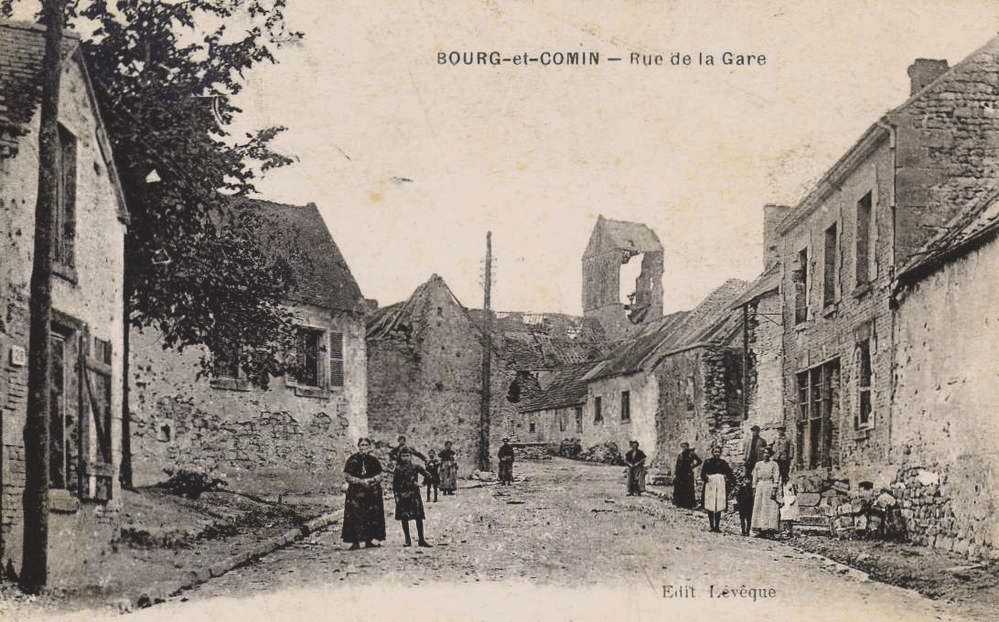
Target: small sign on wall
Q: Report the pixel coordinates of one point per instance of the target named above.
(18, 356)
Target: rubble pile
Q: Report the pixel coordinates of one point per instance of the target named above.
(534, 451)
(605, 453)
(570, 448)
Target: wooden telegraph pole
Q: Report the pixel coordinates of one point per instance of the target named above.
(487, 351)
(34, 560)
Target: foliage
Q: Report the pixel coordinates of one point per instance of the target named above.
(191, 484)
(166, 74)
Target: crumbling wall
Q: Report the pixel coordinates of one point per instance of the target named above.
(700, 403)
(764, 374)
(273, 439)
(944, 426)
(425, 383)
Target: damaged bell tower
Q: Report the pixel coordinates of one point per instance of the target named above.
(616, 246)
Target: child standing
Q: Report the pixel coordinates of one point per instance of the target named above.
(789, 508)
(408, 501)
(744, 503)
(434, 479)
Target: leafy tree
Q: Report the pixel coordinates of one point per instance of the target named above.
(166, 73)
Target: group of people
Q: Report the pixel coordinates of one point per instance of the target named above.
(364, 510)
(765, 498)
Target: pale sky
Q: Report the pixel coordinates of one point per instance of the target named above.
(536, 153)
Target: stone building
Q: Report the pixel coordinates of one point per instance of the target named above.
(946, 395)
(87, 306)
(296, 433)
(763, 337)
(840, 246)
(615, 244)
(425, 375)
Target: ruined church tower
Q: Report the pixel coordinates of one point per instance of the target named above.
(614, 244)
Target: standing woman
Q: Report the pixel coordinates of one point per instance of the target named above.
(716, 474)
(449, 470)
(506, 457)
(683, 481)
(766, 494)
(408, 503)
(635, 459)
(364, 511)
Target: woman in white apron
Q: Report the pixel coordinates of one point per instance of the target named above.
(715, 473)
(766, 495)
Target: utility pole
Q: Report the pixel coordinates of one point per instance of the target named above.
(34, 561)
(487, 353)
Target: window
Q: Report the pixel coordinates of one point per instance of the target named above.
(598, 410)
(59, 463)
(688, 392)
(829, 259)
(625, 406)
(98, 388)
(226, 361)
(579, 418)
(336, 359)
(64, 225)
(863, 418)
(863, 254)
(818, 407)
(532, 427)
(561, 421)
(800, 277)
(309, 372)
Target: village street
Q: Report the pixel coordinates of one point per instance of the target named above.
(565, 540)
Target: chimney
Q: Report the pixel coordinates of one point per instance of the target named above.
(772, 215)
(922, 71)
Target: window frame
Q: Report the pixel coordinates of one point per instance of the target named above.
(598, 409)
(865, 368)
(862, 240)
(64, 218)
(799, 280)
(830, 262)
(626, 406)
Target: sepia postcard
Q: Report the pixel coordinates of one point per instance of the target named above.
(482, 310)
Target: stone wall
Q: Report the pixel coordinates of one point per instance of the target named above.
(90, 296)
(946, 399)
(948, 140)
(700, 403)
(273, 440)
(644, 393)
(425, 383)
(552, 425)
(858, 311)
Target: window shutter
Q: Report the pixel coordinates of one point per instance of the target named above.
(336, 359)
(99, 466)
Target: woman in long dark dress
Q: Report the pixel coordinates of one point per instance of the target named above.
(683, 482)
(364, 511)
(506, 457)
(449, 469)
(716, 475)
(635, 459)
(408, 501)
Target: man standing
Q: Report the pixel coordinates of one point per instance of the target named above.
(394, 454)
(783, 453)
(505, 456)
(752, 450)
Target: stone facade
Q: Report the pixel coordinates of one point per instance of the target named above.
(425, 377)
(700, 403)
(273, 440)
(87, 318)
(642, 400)
(293, 435)
(944, 426)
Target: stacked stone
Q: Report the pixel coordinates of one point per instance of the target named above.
(929, 515)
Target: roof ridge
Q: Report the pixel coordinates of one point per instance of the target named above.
(23, 24)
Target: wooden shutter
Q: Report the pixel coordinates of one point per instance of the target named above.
(99, 466)
(336, 359)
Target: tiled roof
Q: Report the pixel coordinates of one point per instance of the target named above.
(976, 223)
(711, 321)
(299, 235)
(632, 236)
(537, 341)
(767, 282)
(408, 315)
(22, 47)
(567, 388)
